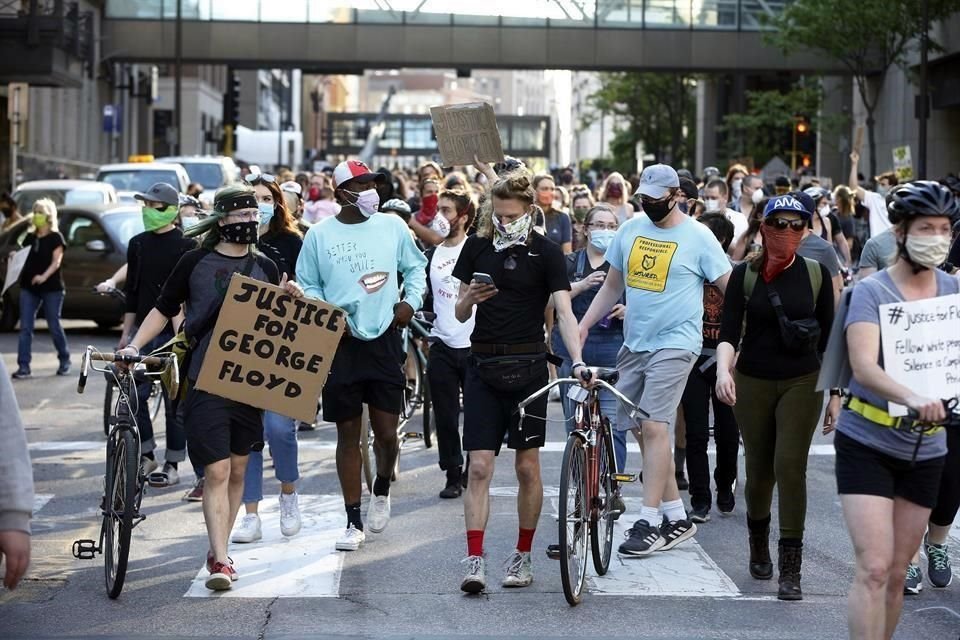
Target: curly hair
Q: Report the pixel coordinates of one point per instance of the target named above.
(463, 202)
(514, 185)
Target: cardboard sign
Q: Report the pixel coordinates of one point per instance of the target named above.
(858, 138)
(903, 163)
(15, 268)
(921, 346)
(270, 350)
(465, 130)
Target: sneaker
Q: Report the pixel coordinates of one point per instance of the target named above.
(938, 565)
(476, 579)
(211, 561)
(617, 506)
(676, 532)
(351, 539)
(700, 514)
(378, 513)
(642, 540)
(221, 577)
(289, 514)
(554, 394)
(725, 502)
(248, 530)
(196, 493)
(519, 570)
(63, 369)
(166, 478)
(305, 426)
(148, 466)
(914, 582)
(452, 490)
(21, 374)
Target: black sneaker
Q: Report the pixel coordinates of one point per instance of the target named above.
(305, 426)
(452, 490)
(674, 533)
(700, 514)
(725, 501)
(642, 540)
(63, 369)
(938, 565)
(21, 374)
(913, 585)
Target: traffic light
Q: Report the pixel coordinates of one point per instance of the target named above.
(231, 100)
(802, 126)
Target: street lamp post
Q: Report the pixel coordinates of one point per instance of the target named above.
(178, 79)
(924, 102)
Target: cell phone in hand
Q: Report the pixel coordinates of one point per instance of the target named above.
(483, 278)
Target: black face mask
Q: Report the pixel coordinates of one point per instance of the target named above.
(657, 210)
(240, 232)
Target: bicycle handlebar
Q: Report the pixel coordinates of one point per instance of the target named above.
(91, 354)
(633, 410)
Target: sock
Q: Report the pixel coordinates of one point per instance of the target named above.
(525, 540)
(474, 542)
(381, 486)
(674, 510)
(651, 515)
(353, 516)
(149, 455)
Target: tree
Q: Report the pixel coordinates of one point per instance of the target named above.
(657, 109)
(865, 36)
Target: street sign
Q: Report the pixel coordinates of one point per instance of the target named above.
(112, 119)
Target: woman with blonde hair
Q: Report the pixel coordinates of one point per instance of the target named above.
(615, 191)
(40, 282)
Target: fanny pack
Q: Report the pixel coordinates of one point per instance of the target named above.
(511, 372)
(800, 337)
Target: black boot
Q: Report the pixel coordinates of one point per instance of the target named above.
(791, 556)
(680, 462)
(761, 566)
(453, 488)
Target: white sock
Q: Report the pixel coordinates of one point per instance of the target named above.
(651, 515)
(674, 510)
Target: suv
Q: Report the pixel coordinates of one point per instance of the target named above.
(64, 193)
(212, 172)
(140, 176)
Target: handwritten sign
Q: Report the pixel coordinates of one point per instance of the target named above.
(903, 163)
(271, 351)
(15, 268)
(858, 138)
(921, 346)
(465, 130)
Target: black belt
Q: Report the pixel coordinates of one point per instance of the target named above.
(508, 349)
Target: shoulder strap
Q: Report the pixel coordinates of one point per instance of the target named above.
(815, 275)
(581, 264)
(211, 320)
(749, 282)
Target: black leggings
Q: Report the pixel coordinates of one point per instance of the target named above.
(948, 498)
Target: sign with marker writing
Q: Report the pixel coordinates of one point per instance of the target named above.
(270, 350)
(465, 130)
(921, 347)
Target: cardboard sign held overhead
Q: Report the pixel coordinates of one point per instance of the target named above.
(465, 130)
(903, 163)
(858, 138)
(270, 350)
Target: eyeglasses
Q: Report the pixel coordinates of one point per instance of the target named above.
(244, 216)
(257, 178)
(610, 226)
(782, 223)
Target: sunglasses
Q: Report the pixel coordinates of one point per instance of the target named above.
(781, 224)
(257, 178)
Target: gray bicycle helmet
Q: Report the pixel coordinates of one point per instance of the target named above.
(921, 198)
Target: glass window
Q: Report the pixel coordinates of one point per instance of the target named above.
(209, 174)
(133, 180)
(418, 134)
(83, 230)
(124, 225)
(80, 197)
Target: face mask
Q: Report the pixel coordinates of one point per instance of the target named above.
(545, 199)
(367, 202)
(825, 210)
(513, 233)
(40, 220)
(756, 196)
(737, 187)
(313, 194)
(712, 205)
(154, 219)
(266, 212)
(883, 191)
(780, 248)
(602, 238)
(657, 210)
(580, 213)
(188, 222)
(240, 232)
(615, 190)
(928, 251)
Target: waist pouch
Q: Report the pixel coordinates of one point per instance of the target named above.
(510, 373)
(800, 337)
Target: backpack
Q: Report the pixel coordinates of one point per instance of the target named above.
(813, 271)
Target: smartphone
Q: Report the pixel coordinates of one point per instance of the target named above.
(483, 278)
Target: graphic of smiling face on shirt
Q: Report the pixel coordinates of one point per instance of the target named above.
(373, 282)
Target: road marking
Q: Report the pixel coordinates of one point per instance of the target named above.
(815, 450)
(304, 566)
(68, 445)
(40, 500)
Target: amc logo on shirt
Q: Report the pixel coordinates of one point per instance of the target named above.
(649, 264)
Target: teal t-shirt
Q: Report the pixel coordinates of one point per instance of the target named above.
(664, 271)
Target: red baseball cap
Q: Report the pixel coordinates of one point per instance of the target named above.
(354, 170)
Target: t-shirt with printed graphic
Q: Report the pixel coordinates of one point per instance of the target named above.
(445, 290)
(664, 271)
(200, 280)
(712, 314)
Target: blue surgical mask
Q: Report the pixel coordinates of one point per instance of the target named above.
(601, 238)
(266, 212)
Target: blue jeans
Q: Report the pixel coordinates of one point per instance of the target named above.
(176, 436)
(280, 433)
(52, 305)
(598, 353)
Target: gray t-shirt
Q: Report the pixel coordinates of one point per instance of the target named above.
(816, 248)
(880, 251)
(865, 302)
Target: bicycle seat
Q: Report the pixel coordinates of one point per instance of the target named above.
(610, 376)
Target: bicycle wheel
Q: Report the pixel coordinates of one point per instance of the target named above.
(412, 392)
(601, 525)
(120, 505)
(427, 404)
(573, 520)
(108, 406)
(366, 448)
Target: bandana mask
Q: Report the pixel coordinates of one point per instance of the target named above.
(513, 233)
(240, 232)
(780, 248)
(154, 219)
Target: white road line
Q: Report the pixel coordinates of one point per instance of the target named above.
(815, 450)
(304, 566)
(40, 500)
(68, 445)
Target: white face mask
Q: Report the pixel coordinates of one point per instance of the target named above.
(824, 210)
(928, 251)
(756, 196)
(188, 222)
(712, 205)
(737, 187)
(368, 202)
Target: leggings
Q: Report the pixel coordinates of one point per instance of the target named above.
(777, 420)
(948, 498)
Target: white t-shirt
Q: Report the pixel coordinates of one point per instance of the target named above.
(739, 221)
(877, 204)
(445, 289)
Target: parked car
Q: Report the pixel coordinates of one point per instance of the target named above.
(64, 193)
(96, 246)
(140, 176)
(213, 172)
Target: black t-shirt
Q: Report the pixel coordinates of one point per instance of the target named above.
(151, 258)
(39, 260)
(283, 249)
(763, 353)
(515, 314)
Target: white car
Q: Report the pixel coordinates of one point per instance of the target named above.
(211, 172)
(140, 176)
(64, 193)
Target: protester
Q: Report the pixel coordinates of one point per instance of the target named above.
(879, 253)
(41, 283)
(826, 225)
(781, 185)
(874, 201)
(581, 202)
(368, 366)
(9, 211)
(320, 204)
(751, 193)
(194, 189)
(715, 198)
(736, 174)
(782, 308)
(16, 487)
(845, 212)
(614, 192)
(556, 223)
(814, 247)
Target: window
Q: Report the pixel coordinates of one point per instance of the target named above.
(82, 230)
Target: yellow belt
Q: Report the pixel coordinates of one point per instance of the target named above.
(880, 416)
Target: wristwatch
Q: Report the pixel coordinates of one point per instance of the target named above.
(836, 393)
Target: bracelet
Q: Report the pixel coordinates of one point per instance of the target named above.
(578, 364)
(135, 347)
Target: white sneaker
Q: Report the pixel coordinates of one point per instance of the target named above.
(289, 514)
(519, 570)
(148, 466)
(351, 539)
(476, 579)
(248, 530)
(378, 513)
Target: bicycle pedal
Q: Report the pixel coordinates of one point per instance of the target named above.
(412, 435)
(625, 477)
(85, 549)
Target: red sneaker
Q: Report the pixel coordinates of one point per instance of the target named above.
(211, 563)
(221, 577)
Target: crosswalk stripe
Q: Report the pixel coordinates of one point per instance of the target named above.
(40, 500)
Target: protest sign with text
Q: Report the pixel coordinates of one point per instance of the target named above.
(270, 350)
(921, 346)
(15, 268)
(467, 130)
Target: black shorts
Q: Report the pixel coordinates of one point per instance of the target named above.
(365, 372)
(862, 470)
(216, 427)
(488, 414)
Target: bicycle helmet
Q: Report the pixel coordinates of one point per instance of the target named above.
(396, 205)
(921, 198)
(816, 193)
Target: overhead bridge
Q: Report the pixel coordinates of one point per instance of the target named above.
(341, 35)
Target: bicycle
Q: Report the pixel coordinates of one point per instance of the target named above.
(590, 481)
(416, 395)
(123, 480)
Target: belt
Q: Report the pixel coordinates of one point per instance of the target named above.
(508, 349)
(711, 359)
(879, 416)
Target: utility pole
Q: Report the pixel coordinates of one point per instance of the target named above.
(178, 79)
(923, 106)
(15, 111)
